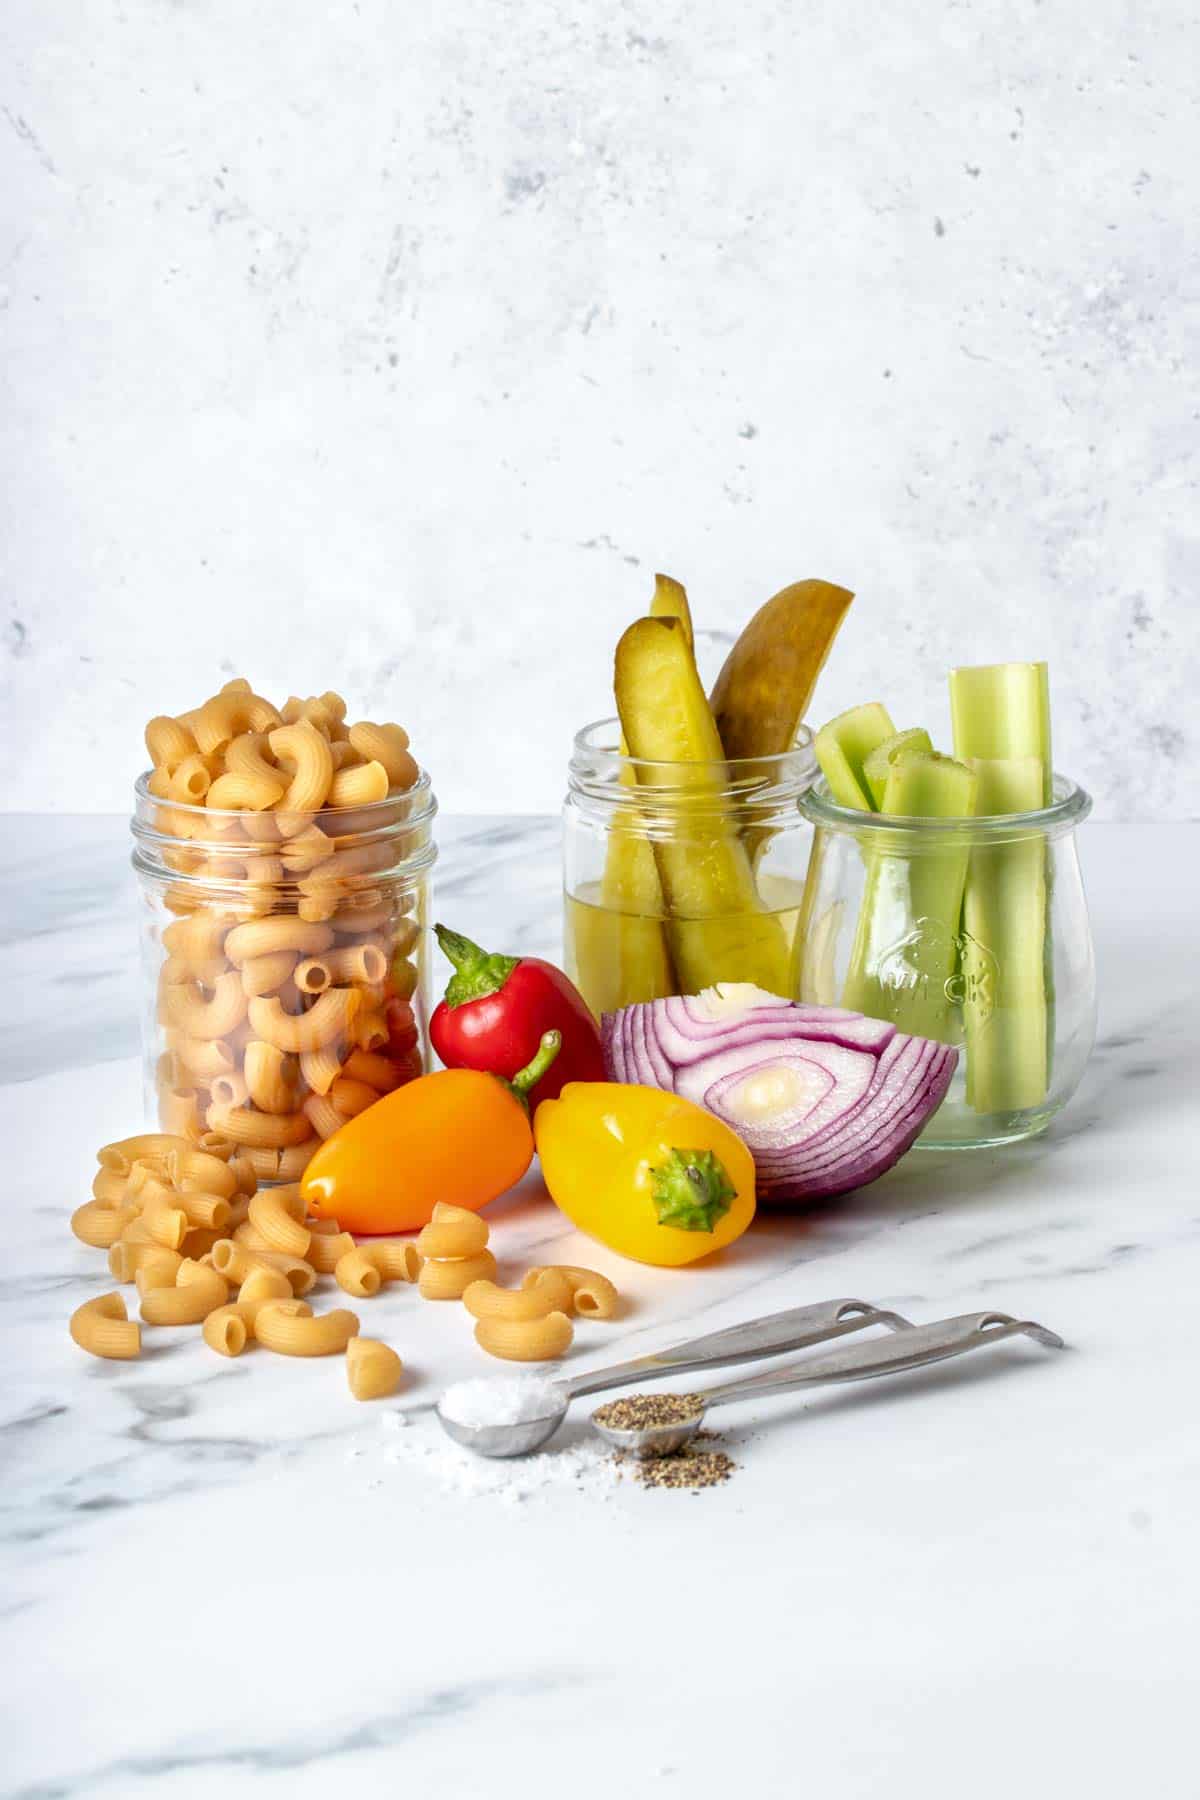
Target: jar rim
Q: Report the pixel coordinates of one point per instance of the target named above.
(800, 759)
(1070, 806)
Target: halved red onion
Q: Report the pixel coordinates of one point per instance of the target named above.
(825, 1099)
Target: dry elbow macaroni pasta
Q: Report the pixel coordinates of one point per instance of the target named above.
(589, 1294)
(532, 1323)
(237, 1289)
(372, 1369)
(294, 1334)
(484, 1300)
(102, 1328)
(526, 1324)
(526, 1340)
(363, 1270)
(453, 1232)
(160, 1205)
(289, 948)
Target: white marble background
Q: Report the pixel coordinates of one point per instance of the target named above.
(397, 345)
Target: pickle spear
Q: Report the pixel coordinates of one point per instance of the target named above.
(671, 602)
(768, 678)
(639, 963)
(717, 927)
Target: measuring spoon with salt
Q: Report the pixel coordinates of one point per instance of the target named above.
(918, 1345)
(795, 1329)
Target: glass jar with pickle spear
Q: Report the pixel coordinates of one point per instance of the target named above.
(685, 849)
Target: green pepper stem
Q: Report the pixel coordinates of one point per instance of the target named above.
(692, 1190)
(532, 1073)
(477, 973)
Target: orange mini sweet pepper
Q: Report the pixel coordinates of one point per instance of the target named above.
(457, 1135)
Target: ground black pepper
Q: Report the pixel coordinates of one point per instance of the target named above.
(693, 1469)
(635, 1411)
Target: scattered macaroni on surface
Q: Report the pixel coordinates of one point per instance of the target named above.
(590, 1296)
(526, 1340)
(453, 1232)
(372, 1369)
(450, 1279)
(102, 1328)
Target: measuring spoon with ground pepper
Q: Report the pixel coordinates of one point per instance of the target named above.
(661, 1424)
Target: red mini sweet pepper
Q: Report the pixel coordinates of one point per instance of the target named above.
(498, 1008)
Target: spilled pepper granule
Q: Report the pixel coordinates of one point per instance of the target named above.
(688, 1468)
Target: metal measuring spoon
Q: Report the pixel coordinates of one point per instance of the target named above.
(854, 1362)
(792, 1330)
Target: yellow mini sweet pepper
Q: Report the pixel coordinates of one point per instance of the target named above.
(654, 1177)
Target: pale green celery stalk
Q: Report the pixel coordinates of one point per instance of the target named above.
(843, 746)
(877, 766)
(1002, 728)
(1002, 710)
(906, 946)
(1005, 1015)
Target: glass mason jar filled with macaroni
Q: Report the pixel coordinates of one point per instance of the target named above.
(680, 875)
(284, 862)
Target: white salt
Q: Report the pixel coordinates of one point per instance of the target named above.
(502, 1400)
(586, 1468)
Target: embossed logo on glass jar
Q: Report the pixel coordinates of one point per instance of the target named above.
(918, 963)
(976, 980)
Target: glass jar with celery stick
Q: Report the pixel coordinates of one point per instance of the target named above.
(944, 895)
(685, 850)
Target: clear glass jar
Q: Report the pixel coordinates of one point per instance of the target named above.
(284, 967)
(729, 841)
(971, 931)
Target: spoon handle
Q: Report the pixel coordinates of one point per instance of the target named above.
(792, 1330)
(918, 1345)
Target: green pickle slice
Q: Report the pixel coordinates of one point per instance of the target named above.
(717, 928)
(622, 952)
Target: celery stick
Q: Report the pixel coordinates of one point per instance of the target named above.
(1004, 914)
(877, 766)
(1012, 784)
(631, 890)
(928, 785)
(906, 948)
(1001, 715)
(1002, 710)
(843, 746)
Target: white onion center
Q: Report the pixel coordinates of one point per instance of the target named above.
(778, 1088)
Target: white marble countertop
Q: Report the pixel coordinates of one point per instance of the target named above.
(229, 1578)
